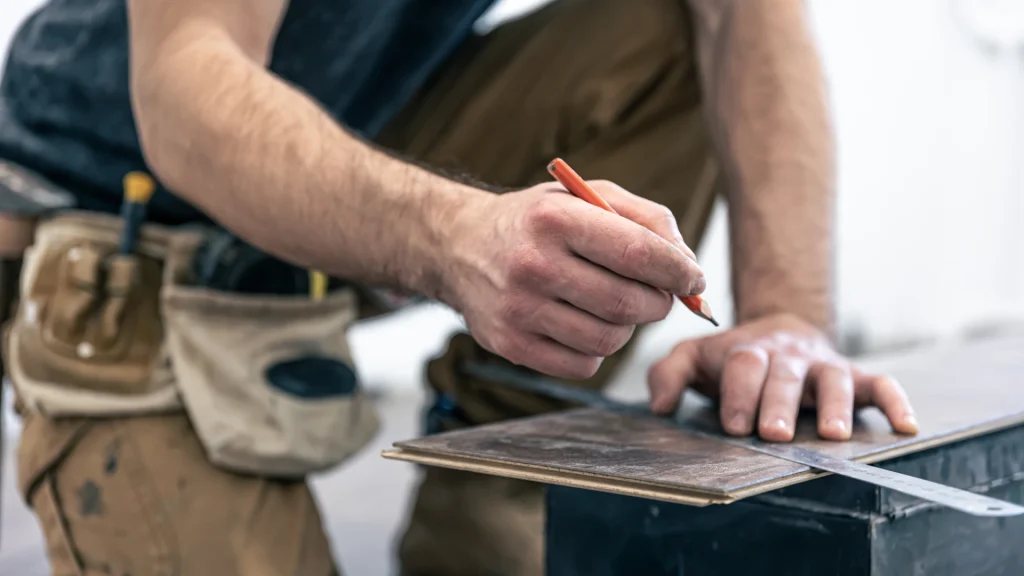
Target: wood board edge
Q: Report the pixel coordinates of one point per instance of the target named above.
(681, 495)
(560, 478)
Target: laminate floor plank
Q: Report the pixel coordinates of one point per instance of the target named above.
(959, 390)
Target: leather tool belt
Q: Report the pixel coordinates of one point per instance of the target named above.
(102, 334)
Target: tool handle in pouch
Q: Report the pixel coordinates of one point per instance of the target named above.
(88, 337)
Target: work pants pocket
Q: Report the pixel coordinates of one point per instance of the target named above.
(97, 502)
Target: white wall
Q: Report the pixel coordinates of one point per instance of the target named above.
(929, 153)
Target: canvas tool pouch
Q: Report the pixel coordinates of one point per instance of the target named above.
(102, 334)
(268, 380)
(88, 339)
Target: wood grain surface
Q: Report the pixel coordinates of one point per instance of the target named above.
(959, 390)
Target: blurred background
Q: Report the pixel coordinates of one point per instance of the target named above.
(928, 98)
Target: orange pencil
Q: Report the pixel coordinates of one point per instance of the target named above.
(568, 177)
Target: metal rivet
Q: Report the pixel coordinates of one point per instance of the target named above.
(85, 350)
(74, 254)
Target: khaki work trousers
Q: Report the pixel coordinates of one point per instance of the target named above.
(609, 85)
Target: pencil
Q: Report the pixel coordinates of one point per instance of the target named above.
(572, 181)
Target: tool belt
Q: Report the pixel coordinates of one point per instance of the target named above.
(103, 334)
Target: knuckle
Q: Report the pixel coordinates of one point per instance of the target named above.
(661, 213)
(791, 324)
(513, 349)
(786, 367)
(529, 266)
(606, 185)
(545, 215)
(627, 308)
(611, 340)
(782, 339)
(752, 357)
(836, 376)
(515, 310)
(639, 252)
(502, 346)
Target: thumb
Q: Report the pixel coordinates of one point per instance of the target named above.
(669, 377)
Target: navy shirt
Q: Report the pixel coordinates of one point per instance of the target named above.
(64, 104)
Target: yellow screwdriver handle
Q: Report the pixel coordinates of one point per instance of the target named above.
(317, 284)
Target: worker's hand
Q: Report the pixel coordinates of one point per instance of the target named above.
(762, 372)
(552, 283)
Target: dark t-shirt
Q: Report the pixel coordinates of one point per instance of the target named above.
(64, 102)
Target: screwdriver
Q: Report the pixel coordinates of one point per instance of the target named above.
(317, 285)
(138, 189)
(572, 181)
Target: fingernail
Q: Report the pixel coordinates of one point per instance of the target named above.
(698, 286)
(838, 425)
(910, 421)
(780, 425)
(775, 431)
(738, 424)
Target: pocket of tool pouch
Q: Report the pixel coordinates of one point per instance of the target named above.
(268, 381)
(89, 318)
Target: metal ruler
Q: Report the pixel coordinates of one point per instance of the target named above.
(955, 498)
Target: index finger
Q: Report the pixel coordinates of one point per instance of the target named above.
(631, 250)
(649, 214)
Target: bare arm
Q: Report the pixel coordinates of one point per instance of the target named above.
(265, 160)
(768, 112)
(766, 100)
(542, 278)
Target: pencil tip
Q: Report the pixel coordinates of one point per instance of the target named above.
(705, 311)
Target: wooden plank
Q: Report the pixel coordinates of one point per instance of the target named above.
(560, 478)
(959, 391)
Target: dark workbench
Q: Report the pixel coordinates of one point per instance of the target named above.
(641, 496)
(827, 526)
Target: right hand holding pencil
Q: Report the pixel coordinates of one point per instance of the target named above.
(554, 284)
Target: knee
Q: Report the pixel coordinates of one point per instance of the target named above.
(627, 61)
(627, 33)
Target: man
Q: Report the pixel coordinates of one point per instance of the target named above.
(259, 115)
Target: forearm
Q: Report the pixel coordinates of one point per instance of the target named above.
(769, 115)
(266, 162)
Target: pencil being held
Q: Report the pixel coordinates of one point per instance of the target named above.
(556, 285)
(576, 185)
